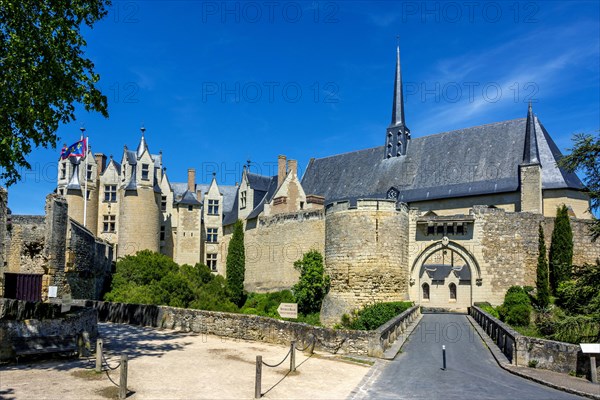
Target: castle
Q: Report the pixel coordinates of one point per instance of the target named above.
(444, 220)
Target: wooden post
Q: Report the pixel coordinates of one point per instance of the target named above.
(593, 371)
(99, 345)
(257, 389)
(293, 356)
(123, 380)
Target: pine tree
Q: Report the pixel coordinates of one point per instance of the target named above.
(236, 264)
(561, 249)
(542, 281)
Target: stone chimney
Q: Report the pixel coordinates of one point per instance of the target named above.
(293, 167)
(191, 180)
(101, 162)
(281, 170)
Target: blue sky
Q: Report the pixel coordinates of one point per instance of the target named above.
(218, 83)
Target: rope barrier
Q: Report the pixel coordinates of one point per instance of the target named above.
(312, 343)
(277, 365)
(110, 379)
(108, 365)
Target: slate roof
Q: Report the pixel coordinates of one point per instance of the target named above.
(439, 272)
(229, 194)
(259, 202)
(478, 160)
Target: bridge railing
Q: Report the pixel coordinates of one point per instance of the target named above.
(504, 337)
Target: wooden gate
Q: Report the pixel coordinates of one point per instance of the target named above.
(26, 287)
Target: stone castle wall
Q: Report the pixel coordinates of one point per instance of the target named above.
(89, 263)
(275, 243)
(66, 254)
(366, 256)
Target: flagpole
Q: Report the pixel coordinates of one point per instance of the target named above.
(85, 194)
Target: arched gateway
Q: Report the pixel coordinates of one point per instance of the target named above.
(442, 276)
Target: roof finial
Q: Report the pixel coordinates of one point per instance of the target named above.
(398, 41)
(143, 129)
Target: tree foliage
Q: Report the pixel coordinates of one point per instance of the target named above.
(236, 264)
(561, 249)
(313, 284)
(153, 278)
(542, 278)
(585, 157)
(43, 74)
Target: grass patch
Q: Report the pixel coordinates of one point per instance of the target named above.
(87, 374)
(358, 360)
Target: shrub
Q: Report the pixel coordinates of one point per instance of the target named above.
(490, 310)
(374, 315)
(266, 304)
(518, 315)
(152, 278)
(577, 329)
(532, 363)
(236, 264)
(516, 309)
(313, 284)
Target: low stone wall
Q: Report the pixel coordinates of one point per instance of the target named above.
(253, 327)
(21, 319)
(549, 354)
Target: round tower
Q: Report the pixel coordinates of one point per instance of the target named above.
(139, 221)
(366, 256)
(139, 211)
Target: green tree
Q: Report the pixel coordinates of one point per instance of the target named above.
(43, 74)
(585, 157)
(561, 249)
(236, 264)
(313, 283)
(542, 281)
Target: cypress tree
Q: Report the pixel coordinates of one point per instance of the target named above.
(542, 281)
(561, 249)
(236, 264)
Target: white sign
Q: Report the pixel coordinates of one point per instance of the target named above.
(590, 348)
(288, 310)
(52, 291)
(66, 303)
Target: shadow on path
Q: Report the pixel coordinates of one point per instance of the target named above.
(135, 341)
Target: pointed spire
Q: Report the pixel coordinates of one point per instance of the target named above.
(142, 146)
(531, 154)
(398, 104)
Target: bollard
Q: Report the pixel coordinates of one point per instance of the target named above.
(293, 356)
(257, 393)
(99, 344)
(444, 357)
(593, 372)
(123, 380)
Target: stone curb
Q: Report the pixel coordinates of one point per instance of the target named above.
(507, 366)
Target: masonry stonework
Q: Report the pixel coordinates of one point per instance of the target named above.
(276, 243)
(366, 253)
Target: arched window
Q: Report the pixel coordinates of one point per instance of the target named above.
(425, 287)
(452, 287)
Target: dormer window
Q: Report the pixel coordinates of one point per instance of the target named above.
(124, 169)
(243, 199)
(213, 207)
(89, 172)
(63, 170)
(145, 172)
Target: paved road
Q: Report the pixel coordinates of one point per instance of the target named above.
(472, 372)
